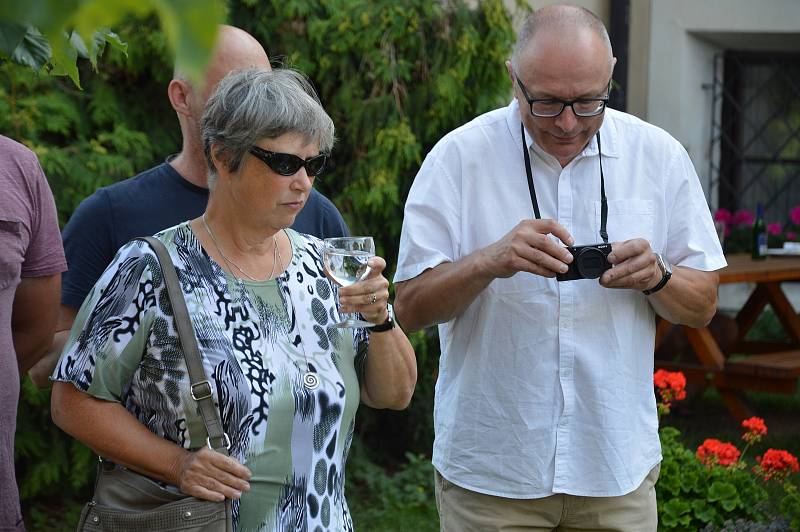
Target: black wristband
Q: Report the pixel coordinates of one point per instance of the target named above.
(659, 286)
(387, 325)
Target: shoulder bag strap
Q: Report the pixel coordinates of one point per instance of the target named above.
(200, 386)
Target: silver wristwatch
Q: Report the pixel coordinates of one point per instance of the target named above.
(666, 273)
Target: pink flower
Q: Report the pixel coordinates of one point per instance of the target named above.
(774, 229)
(723, 215)
(794, 215)
(743, 217)
(791, 235)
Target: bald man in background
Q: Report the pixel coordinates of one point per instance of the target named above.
(163, 196)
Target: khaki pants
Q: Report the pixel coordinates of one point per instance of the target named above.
(462, 510)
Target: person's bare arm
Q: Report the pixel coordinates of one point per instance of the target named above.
(690, 296)
(33, 318)
(390, 373)
(113, 433)
(41, 371)
(440, 294)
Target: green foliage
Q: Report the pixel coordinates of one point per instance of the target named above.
(400, 501)
(790, 505)
(395, 77)
(50, 35)
(49, 463)
(691, 495)
(108, 132)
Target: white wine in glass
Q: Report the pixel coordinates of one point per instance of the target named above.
(345, 260)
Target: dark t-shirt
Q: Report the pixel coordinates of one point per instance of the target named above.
(144, 205)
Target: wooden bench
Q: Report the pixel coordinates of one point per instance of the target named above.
(771, 372)
(772, 367)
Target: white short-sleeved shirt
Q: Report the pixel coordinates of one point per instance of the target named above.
(547, 387)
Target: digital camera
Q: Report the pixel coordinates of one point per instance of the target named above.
(588, 262)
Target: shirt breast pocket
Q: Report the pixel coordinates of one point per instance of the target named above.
(628, 219)
(12, 252)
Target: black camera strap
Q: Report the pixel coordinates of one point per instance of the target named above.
(531, 188)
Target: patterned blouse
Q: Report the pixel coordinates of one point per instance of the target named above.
(257, 339)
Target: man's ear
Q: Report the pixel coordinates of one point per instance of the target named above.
(180, 94)
(510, 70)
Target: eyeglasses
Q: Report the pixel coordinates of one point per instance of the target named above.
(289, 164)
(551, 107)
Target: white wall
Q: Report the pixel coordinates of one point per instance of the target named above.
(684, 36)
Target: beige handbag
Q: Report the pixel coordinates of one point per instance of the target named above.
(125, 501)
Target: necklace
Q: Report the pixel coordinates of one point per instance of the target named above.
(310, 378)
(276, 255)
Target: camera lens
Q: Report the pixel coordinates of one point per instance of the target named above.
(590, 262)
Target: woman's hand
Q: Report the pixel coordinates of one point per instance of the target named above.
(370, 296)
(212, 476)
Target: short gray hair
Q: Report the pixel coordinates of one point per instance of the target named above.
(567, 18)
(253, 104)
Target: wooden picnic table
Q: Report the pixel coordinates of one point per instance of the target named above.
(768, 366)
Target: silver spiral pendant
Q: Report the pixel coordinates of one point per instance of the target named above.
(310, 380)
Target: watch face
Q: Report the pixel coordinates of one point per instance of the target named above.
(663, 265)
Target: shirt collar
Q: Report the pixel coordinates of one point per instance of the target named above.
(608, 134)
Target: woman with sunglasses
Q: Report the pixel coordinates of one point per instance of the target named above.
(287, 383)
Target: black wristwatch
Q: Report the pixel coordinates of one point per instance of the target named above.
(387, 325)
(666, 273)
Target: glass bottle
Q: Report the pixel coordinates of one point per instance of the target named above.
(759, 249)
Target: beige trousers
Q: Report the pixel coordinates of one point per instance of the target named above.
(462, 510)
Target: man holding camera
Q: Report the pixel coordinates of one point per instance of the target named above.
(545, 414)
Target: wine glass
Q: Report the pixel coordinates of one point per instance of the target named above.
(345, 260)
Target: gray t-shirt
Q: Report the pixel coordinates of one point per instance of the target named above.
(30, 246)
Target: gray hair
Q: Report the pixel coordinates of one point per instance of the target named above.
(567, 18)
(253, 104)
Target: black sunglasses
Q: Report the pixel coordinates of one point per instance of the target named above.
(289, 164)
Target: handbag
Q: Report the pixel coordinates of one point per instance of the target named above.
(125, 501)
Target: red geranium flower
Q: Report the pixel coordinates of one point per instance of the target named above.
(715, 452)
(756, 429)
(776, 464)
(671, 385)
(774, 228)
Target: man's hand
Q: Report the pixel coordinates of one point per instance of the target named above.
(441, 293)
(635, 266)
(528, 248)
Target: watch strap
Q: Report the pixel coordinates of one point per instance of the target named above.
(665, 277)
(387, 325)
